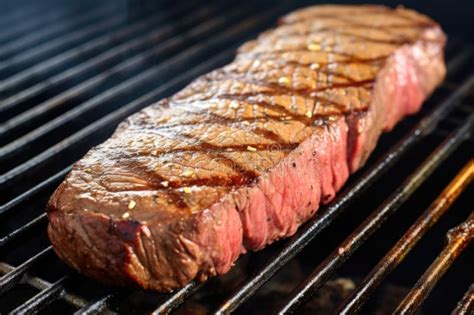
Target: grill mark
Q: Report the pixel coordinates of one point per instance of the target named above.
(364, 39)
(240, 120)
(267, 134)
(223, 74)
(351, 58)
(212, 181)
(245, 176)
(282, 90)
(243, 97)
(154, 180)
(323, 65)
(427, 22)
(229, 148)
(387, 27)
(339, 30)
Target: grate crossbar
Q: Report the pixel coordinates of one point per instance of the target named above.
(43, 68)
(459, 239)
(128, 66)
(397, 253)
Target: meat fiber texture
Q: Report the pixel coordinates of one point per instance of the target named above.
(244, 155)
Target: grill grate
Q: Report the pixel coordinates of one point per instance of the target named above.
(65, 87)
(410, 238)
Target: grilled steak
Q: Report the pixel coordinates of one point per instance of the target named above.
(245, 154)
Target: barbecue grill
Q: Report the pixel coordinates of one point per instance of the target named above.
(396, 238)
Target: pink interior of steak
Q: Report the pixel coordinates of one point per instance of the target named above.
(245, 154)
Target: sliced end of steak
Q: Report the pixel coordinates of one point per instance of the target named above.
(245, 154)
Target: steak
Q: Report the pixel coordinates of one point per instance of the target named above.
(244, 155)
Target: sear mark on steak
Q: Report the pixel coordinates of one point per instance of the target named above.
(245, 154)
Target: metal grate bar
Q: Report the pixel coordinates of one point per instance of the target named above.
(44, 34)
(312, 228)
(9, 280)
(96, 306)
(177, 298)
(340, 255)
(458, 239)
(42, 299)
(12, 29)
(134, 63)
(18, 14)
(41, 284)
(466, 305)
(43, 68)
(172, 65)
(398, 252)
(36, 189)
(11, 236)
(23, 58)
(460, 60)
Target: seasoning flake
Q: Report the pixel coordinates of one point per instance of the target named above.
(131, 204)
(314, 47)
(234, 104)
(187, 172)
(284, 80)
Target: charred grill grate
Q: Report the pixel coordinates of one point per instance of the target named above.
(65, 87)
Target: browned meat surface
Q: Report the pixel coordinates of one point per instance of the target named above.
(245, 154)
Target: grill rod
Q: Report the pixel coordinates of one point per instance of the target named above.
(309, 231)
(458, 239)
(41, 284)
(34, 190)
(11, 49)
(28, 57)
(466, 305)
(45, 67)
(10, 28)
(95, 306)
(176, 299)
(398, 252)
(42, 299)
(11, 236)
(13, 277)
(340, 255)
